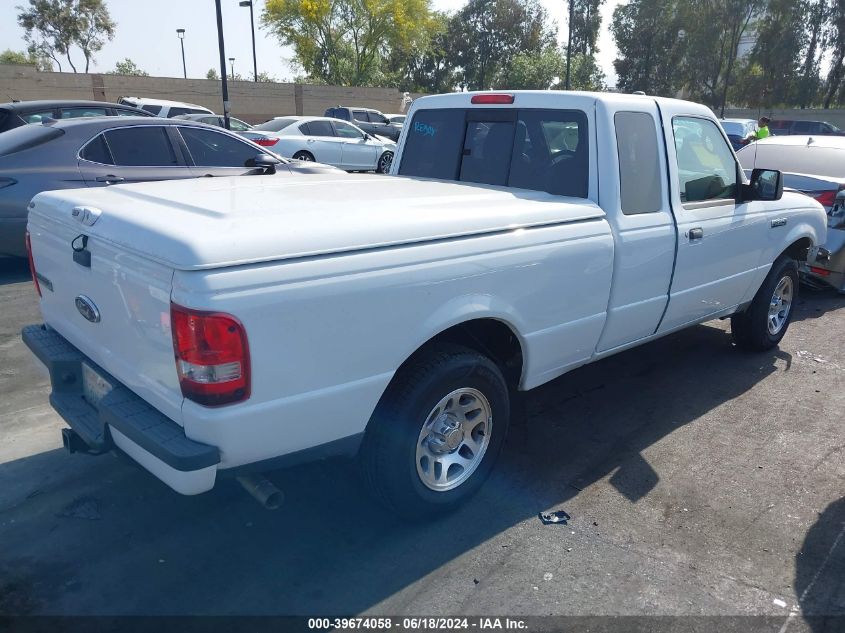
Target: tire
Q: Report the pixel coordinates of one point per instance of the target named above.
(418, 423)
(384, 162)
(764, 323)
(305, 156)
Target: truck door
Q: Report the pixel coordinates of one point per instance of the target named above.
(636, 201)
(720, 240)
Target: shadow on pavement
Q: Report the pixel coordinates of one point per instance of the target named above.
(820, 571)
(13, 270)
(77, 532)
(813, 303)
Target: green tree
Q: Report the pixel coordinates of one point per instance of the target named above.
(212, 74)
(345, 42)
(128, 67)
(53, 27)
(427, 64)
(585, 26)
(836, 24)
(650, 42)
(585, 74)
(487, 34)
(25, 57)
(529, 71)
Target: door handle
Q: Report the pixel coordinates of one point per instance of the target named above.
(696, 233)
(110, 179)
(310, 140)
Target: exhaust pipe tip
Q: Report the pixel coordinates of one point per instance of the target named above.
(72, 442)
(262, 490)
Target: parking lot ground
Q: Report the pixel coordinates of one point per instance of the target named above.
(700, 480)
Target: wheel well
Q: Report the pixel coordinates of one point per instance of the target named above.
(798, 249)
(490, 337)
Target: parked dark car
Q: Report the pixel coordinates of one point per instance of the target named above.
(369, 120)
(788, 127)
(19, 113)
(105, 151)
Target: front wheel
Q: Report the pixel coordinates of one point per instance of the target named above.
(384, 162)
(436, 433)
(764, 323)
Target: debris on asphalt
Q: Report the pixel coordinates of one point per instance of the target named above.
(548, 576)
(778, 602)
(558, 516)
(82, 508)
(475, 581)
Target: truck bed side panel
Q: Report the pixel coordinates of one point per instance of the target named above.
(327, 334)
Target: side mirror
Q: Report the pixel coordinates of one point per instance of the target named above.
(264, 161)
(766, 184)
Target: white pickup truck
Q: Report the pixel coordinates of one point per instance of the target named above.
(230, 324)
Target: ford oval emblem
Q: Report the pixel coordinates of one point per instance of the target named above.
(87, 309)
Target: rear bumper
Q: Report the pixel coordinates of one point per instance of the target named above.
(120, 419)
(833, 265)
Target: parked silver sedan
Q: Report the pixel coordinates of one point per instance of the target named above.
(95, 152)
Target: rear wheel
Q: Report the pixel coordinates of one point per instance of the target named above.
(764, 323)
(436, 433)
(305, 156)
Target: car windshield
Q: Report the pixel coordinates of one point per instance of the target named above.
(274, 125)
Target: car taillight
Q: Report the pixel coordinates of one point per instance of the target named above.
(212, 356)
(486, 99)
(825, 198)
(32, 263)
(266, 142)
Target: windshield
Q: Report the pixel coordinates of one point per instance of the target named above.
(274, 125)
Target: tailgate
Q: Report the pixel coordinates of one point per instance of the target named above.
(115, 311)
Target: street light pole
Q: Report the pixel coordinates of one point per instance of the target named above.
(222, 49)
(232, 65)
(248, 3)
(180, 33)
(569, 43)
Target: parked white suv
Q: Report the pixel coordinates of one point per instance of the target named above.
(164, 108)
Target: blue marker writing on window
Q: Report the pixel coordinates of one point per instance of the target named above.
(424, 129)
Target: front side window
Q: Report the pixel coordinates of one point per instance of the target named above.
(37, 117)
(213, 149)
(152, 109)
(375, 117)
(345, 130)
(360, 115)
(237, 125)
(122, 112)
(543, 150)
(706, 166)
(146, 146)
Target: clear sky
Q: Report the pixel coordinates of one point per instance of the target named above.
(146, 33)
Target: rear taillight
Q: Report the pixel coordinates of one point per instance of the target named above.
(825, 198)
(488, 99)
(266, 142)
(212, 356)
(32, 263)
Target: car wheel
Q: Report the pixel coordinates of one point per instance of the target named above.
(384, 162)
(764, 323)
(305, 156)
(436, 432)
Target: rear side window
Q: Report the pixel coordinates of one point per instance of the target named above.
(639, 163)
(543, 150)
(275, 125)
(97, 151)
(37, 117)
(122, 112)
(320, 128)
(152, 109)
(26, 137)
(146, 146)
(213, 149)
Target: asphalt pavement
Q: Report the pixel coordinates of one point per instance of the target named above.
(700, 480)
